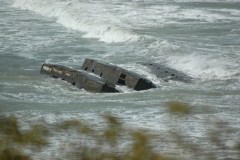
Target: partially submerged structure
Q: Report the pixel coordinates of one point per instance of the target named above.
(117, 75)
(167, 73)
(79, 78)
(96, 76)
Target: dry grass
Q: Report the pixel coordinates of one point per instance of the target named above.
(107, 140)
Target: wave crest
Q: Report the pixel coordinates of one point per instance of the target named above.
(204, 67)
(79, 16)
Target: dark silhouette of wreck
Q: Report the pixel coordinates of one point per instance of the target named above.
(79, 78)
(96, 76)
(168, 74)
(117, 75)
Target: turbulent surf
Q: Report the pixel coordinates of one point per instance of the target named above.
(197, 38)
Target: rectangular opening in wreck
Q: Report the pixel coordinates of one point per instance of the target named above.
(123, 76)
(121, 79)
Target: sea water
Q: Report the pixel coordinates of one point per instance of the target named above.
(197, 37)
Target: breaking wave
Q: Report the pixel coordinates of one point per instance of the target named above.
(113, 23)
(204, 67)
(81, 16)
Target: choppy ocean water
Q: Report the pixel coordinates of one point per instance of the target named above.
(199, 38)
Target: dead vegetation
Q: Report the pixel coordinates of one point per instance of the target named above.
(106, 141)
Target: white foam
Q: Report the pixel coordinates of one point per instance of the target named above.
(124, 89)
(84, 17)
(112, 34)
(204, 67)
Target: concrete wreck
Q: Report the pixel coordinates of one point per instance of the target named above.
(117, 75)
(79, 78)
(97, 76)
(166, 73)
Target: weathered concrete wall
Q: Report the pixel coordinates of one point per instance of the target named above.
(167, 73)
(80, 79)
(97, 76)
(117, 75)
